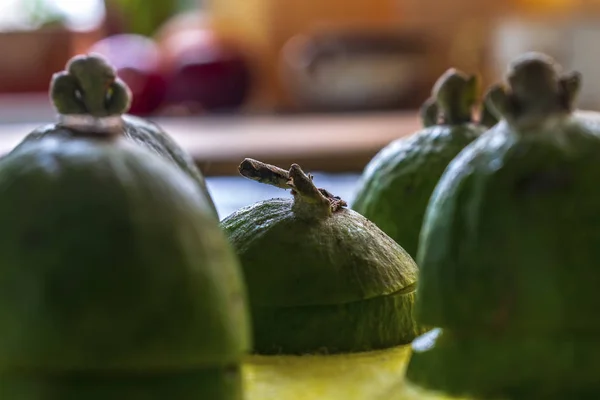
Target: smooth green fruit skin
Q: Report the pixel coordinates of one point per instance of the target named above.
(509, 250)
(335, 284)
(214, 384)
(377, 323)
(150, 136)
(111, 260)
(512, 233)
(508, 367)
(396, 185)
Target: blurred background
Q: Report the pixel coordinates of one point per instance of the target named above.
(324, 83)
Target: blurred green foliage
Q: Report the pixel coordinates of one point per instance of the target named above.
(144, 17)
(40, 14)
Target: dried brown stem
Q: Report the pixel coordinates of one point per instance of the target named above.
(264, 173)
(308, 198)
(304, 186)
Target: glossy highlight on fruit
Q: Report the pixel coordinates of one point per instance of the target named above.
(509, 249)
(396, 185)
(320, 277)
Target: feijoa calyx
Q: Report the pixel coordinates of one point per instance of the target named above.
(395, 186)
(320, 277)
(88, 95)
(509, 249)
(116, 281)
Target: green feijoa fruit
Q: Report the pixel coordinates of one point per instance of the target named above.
(396, 185)
(510, 241)
(320, 277)
(88, 95)
(116, 280)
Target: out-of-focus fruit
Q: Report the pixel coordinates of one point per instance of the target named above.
(88, 96)
(116, 281)
(509, 249)
(138, 61)
(397, 184)
(206, 71)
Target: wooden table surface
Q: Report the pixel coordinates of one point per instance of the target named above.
(330, 143)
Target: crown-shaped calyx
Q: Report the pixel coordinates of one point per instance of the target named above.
(89, 86)
(535, 88)
(452, 100)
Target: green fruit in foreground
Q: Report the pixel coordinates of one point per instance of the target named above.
(320, 277)
(188, 384)
(491, 367)
(81, 90)
(510, 247)
(397, 183)
(112, 264)
(147, 135)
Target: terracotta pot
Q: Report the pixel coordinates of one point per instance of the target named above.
(29, 58)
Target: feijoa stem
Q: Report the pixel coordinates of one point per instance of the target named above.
(264, 173)
(309, 201)
(452, 100)
(535, 89)
(89, 85)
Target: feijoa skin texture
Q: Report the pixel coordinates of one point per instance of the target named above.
(376, 323)
(146, 134)
(329, 283)
(509, 249)
(396, 185)
(480, 367)
(512, 224)
(361, 261)
(111, 260)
